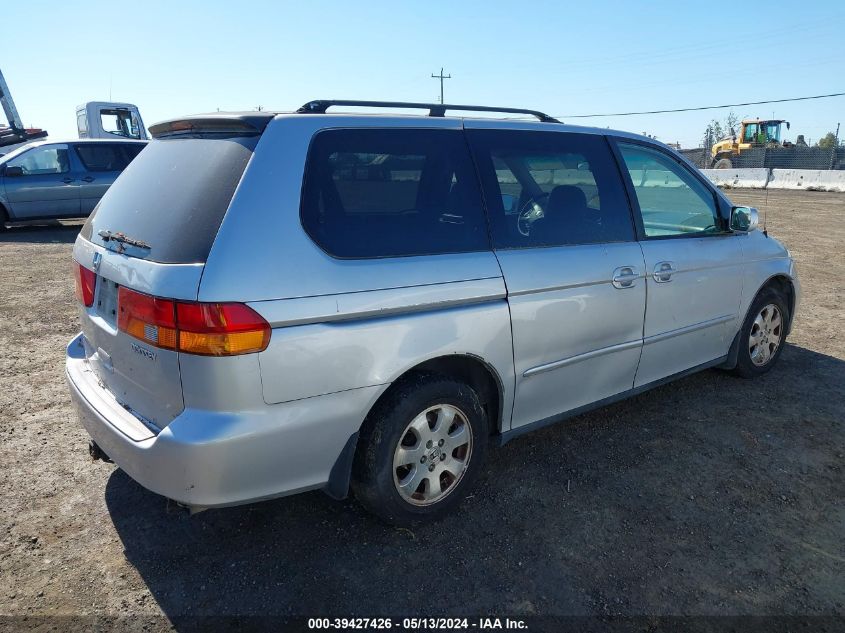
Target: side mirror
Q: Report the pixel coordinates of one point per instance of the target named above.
(13, 171)
(744, 219)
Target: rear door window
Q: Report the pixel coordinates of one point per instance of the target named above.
(391, 193)
(101, 156)
(131, 150)
(550, 188)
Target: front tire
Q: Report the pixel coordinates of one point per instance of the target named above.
(723, 163)
(763, 334)
(420, 450)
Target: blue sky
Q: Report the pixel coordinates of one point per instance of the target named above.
(174, 58)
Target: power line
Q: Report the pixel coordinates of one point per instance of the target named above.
(441, 77)
(712, 107)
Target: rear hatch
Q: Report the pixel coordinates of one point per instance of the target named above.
(144, 247)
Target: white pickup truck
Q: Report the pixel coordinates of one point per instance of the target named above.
(107, 119)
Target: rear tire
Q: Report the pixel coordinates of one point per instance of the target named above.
(4, 217)
(420, 450)
(763, 334)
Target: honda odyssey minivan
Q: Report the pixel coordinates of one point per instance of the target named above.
(367, 302)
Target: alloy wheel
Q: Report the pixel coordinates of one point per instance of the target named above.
(766, 335)
(432, 455)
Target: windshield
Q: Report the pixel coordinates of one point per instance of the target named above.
(751, 132)
(773, 131)
(120, 123)
(172, 197)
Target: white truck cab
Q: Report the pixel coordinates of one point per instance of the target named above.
(107, 119)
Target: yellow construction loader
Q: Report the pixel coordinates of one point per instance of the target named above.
(753, 133)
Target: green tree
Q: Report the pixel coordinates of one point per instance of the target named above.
(828, 141)
(717, 130)
(712, 134)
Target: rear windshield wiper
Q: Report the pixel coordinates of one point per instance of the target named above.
(122, 238)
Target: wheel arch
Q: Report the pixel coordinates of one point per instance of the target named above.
(783, 284)
(468, 368)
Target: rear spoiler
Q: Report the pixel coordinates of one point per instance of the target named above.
(219, 125)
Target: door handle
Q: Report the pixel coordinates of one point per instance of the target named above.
(663, 272)
(67, 181)
(88, 179)
(625, 277)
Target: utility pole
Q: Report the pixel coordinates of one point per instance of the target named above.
(441, 77)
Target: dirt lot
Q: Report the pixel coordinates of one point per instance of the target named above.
(713, 495)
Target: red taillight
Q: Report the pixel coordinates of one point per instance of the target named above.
(220, 329)
(86, 281)
(210, 329)
(148, 318)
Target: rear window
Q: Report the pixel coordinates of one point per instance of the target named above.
(391, 193)
(173, 197)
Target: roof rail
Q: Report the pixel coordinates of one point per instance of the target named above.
(434, 109)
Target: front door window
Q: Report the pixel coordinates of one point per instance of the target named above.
(672, 201)
(40, 161)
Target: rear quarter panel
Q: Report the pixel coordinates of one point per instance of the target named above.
(338, 355)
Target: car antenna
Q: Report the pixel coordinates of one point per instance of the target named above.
(766, 211)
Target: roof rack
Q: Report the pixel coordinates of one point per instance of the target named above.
(434, 109)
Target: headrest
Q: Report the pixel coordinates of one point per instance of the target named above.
(566, 200)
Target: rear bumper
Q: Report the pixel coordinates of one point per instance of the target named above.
(214, 458)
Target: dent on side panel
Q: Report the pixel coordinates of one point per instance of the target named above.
(320, 358)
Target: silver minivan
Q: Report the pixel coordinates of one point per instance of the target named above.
(280, 302)
(49, 180)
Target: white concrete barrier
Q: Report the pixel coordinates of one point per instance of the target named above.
(655, 177)
(756, 178)
(808, 179)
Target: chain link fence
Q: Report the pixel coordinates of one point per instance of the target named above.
(776, 158)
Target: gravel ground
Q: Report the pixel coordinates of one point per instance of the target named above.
(713, 495)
